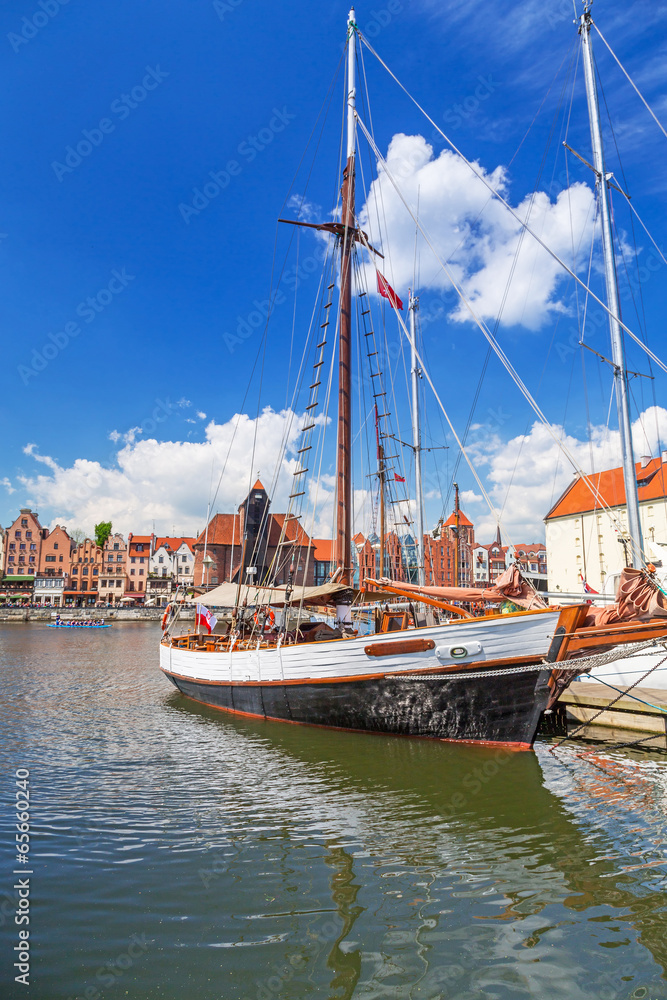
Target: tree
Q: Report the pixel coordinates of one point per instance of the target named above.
(102, 532)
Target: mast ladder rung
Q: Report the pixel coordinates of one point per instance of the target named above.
(365, 312)
(381, 415)
(293, 496)
(332, 285)
(371, 354)
(306, 448)
(314, 385)
(299, 472)
(308, 427)
(376, 374)
(311, 406)
(322, 325)
(376, 395)
(318, 364)
(371, 333)
(327, 305)
(362, 294)
(321, 344)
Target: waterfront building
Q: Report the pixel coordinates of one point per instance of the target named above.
(139, 552)
(584, 546)
(83, 590)
(531, 559)
(323, 565)
(242, 546)
(23, 545)
(171, 565)
(113, 573)
(49, 588)
(55, 556)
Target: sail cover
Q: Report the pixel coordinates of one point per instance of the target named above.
(510, 586)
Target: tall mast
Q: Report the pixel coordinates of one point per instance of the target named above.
(344, 459)
(613, 302)
(415, 370)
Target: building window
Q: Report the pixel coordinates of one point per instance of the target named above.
(55, 545)
(160, 559)
(140, 548)
(85, 571)
(60, 558)
(141, 571)
(119, 558)
(132, 572)
(50, 559)
(22, 546)
(118, 583)
(28, 534)
(133, 559)
(116, 546)
(12, 546)
(24, 522)
(141, 559)
(17, 534)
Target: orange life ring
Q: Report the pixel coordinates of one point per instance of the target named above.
(165, 616)
(269, 619)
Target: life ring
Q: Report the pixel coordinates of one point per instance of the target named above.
(166, 616)
(269, 619)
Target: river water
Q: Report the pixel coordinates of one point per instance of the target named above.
(177, 852)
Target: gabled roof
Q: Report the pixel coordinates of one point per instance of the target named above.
(258, 486)
(463, 521)
(173, 543)
(578, 498)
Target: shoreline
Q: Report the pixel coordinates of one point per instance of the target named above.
(111, 615)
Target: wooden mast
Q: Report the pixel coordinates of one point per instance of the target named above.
(344, 457)
(457, 522)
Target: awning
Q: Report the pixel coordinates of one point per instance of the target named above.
(19, 579)
(81, 593)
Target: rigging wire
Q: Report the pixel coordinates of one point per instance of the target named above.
(480, 175)
(630, 81)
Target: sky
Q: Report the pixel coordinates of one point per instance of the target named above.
(150, 150)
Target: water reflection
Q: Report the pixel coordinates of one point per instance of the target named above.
(262, 860)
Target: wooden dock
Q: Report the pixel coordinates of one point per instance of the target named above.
(644, 710)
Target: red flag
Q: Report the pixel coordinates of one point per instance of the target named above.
(399, 479)
(387, 292)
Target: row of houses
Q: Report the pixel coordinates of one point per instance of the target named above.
(47, 566)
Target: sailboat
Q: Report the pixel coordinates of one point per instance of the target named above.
(479, 679)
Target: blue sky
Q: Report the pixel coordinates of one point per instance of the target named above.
(129, 298)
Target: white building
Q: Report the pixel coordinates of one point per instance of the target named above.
(50, 589)
(583, 542)
(480, 565)
(173, 558)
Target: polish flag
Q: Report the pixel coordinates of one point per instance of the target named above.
(387, 292)
(204, 619)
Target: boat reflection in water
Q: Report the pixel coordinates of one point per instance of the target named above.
(446, 870)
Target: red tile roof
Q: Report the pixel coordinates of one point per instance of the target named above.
(293, 530)
(223, 529)
(463, 521)
(324, 548)
(258, 486)
(578, 499)
(173, 543)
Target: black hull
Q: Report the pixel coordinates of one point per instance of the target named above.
(497, 708)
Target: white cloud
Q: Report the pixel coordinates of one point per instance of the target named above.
(526, 475)
(481, 242)
(168, 481)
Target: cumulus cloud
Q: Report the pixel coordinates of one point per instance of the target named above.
(495, 263)
(526, 475)
(169, 481)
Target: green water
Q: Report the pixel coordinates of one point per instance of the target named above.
(180, 853)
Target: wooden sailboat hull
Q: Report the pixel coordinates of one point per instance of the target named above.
(407, 684)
